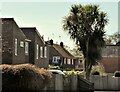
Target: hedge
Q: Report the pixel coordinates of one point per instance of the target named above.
(24, 77)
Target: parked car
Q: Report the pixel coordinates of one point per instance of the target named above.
(57, 72)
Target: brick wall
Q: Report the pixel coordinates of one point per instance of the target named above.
(19, 35)
(7, 42)
(33, 35)
(111, 58)
(10, 32)
(111, 64)
(41, 61)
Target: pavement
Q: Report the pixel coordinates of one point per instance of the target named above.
(106, 91)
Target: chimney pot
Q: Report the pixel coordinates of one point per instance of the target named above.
(61, 44)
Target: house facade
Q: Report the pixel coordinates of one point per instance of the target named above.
(58, 55)
(38, 50)
(14, 43)
(111, 58)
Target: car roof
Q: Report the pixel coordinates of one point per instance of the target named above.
(57, 71)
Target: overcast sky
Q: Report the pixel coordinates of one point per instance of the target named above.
(47, 17)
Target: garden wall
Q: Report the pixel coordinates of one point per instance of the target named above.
(69, 83)
(105, 82)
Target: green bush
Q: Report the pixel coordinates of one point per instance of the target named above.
(73, 72)
(117, 74)
(24, 77)
(53, 67)
(78, 69)
(95, 73)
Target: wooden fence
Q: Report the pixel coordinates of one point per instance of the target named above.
(69, 83)
(105, 82)
(84, 84)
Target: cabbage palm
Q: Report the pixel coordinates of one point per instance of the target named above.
(85, 24)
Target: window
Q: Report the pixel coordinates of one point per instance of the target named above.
(26, 48)
(37, 50)
(21, 44)
(41, 52)
(72, 61)
(16, 47)
(68, 60)
(64, 60)
(45, 52)
(56, 59)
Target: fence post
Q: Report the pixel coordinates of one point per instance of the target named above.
(58, 82)
(74, 82)
(119, 83)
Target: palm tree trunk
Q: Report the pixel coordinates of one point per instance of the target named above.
(87, 72)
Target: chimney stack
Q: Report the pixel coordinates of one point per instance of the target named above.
(61, 44)
(51, 42)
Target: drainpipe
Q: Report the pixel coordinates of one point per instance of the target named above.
(0, 53)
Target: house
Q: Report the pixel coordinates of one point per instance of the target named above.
(14, 43)
(58, 55)
(111, 58)
(39, 52)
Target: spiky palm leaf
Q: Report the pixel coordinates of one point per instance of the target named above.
(86, 24)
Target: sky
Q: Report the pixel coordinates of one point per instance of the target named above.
(48, 17)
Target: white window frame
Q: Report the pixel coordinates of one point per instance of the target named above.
(56, 59)
(21, 44)
(68, 61)
(37, 51)
(41, 51)
(45, 51)
(16, 47)
(64, 60)
(72, 62)
(26, 48)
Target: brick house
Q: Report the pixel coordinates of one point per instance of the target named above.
(58, 55)
(111, 58)
(14, 43)
(38, 50)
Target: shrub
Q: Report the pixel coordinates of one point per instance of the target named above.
(73, 72)
(53, 67)
(25, 77)
(95, 73)
(117, 74)
(68, 69)
(78, 69)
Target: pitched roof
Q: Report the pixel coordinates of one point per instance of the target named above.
(34, 28)
(63, 51)
(12, 19)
